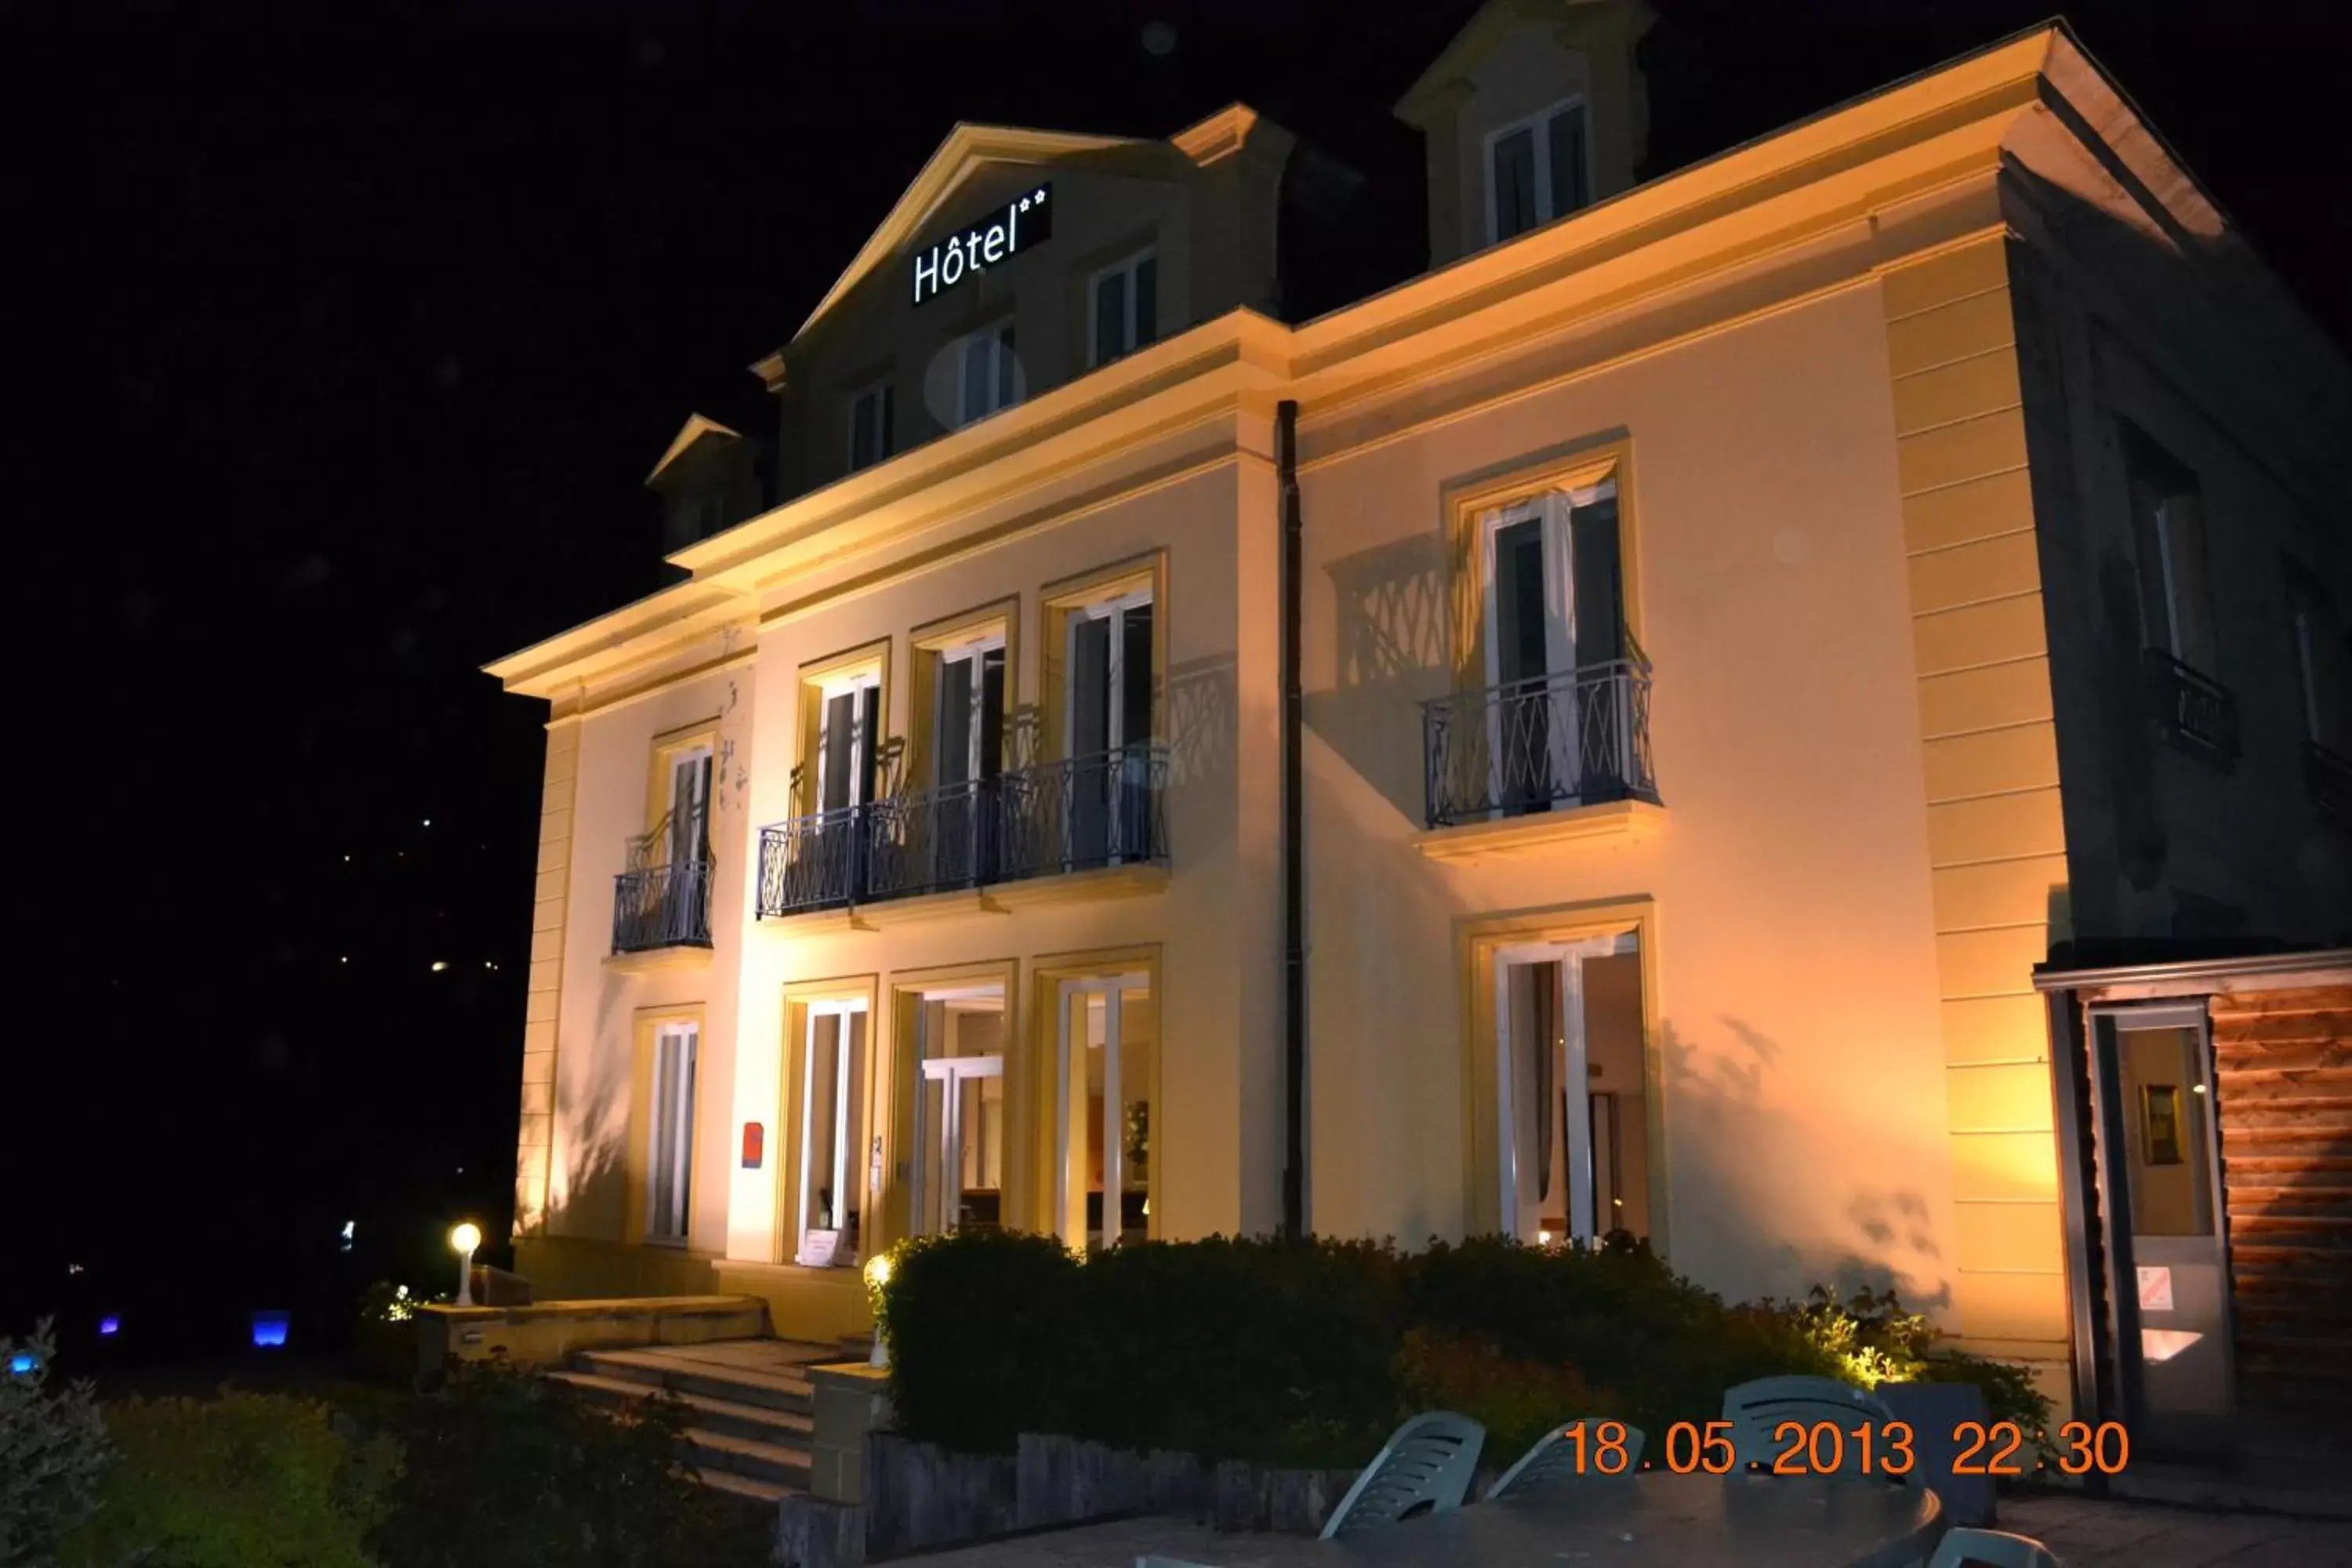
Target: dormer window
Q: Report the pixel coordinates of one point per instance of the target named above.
(869, 427)
(988, 376)
(1123, 308)
(1537, 169)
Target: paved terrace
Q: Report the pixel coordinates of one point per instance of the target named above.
(2084, 1533)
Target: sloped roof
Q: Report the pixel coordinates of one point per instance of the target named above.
(695, 429)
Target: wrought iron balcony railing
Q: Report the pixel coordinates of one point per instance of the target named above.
(1038, 821)
(1081, 813)
(1575, 738)
(2192, 711)
(662, 905)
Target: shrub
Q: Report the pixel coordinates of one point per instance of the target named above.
(54, 1453)
(244, 1480)
(978, 1323)
(384, 1336)
(505, 1466)
(1518, 1401)
(1308, 1352)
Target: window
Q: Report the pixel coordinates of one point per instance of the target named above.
(969, 726)
(869, 427)
(1570, 1063)
(669, 1153)
(1123, 308)
(2168, 535)
(848, 717)
(684, 826)
(1107, 730)
(833, 1133)
(2322, 656)
(989, 376)
(1106, 1036)
(1561, 722)
(1537, 169)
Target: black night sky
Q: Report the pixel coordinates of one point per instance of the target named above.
(354, 331)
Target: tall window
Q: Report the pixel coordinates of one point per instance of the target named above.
(1572, 1123)
(1560, 725)
(847, 729)
(869, 427)
(1123, 308)
(1537, 169)
(989, 374)
(2168, 529)
(2323, 659)
(1108, 730)
(1107, 1032)
(669, 1152)
(969, 727)
(686, 817)
(833, 1133)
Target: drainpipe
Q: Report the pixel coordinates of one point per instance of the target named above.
(1294, 890)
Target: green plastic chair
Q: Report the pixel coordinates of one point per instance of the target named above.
(1994, 1548)
(1552, 1460)
(1429, 1462)
(1754, 1409)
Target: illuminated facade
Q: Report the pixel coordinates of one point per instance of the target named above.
(1745, 619)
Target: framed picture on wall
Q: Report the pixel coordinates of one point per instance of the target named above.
(2160, 1123)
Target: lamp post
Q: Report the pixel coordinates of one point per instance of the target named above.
(463, 1238)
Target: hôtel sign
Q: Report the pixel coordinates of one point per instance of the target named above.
(1026, 220)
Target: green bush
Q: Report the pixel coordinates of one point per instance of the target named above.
(504, 1467)
(244, 1480)
(54, 1453)
(383, 1334)
(1308, 1352)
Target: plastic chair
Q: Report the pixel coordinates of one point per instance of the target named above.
(1994, 1548)
(1754, 1409)
(1552, 1460)
(1427, 1462)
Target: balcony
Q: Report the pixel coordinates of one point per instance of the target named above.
(1560, 746)
(1053, 819)
(2193, 712)
(665, 906)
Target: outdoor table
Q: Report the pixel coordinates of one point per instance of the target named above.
(1656, 1517)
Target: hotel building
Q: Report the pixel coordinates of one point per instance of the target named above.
(1600, 735)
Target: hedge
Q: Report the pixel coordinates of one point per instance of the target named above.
(1307, 1353)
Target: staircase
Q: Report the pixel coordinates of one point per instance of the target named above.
(747, 1405)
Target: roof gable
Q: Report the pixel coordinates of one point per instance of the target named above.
(969, 150)
(695, 429)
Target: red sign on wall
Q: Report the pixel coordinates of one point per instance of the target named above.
(754, 1141)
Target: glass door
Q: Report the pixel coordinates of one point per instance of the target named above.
(959, 1167)
(2161, 1175)
(1570, 1087)
(1107, 1034)
(833, 1133)
(970, 757)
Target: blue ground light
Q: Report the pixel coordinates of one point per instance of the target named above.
(108, 1326)
(21, 1364)
(269, 1331)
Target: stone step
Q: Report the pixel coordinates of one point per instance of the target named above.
(773, 1463)
(664, 1369)
(749, 1488)
(760, 1423)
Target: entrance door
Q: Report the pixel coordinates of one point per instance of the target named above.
(959, 1167)
(1570, 1084)
(2161, 1175)
(834, 1158)
(1102, 1176)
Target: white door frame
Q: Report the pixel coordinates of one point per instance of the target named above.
(1114, 610)
(1113, 988)
(1578, 1134)
(950, 1073)
(843, 1009)
(679, 1119)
